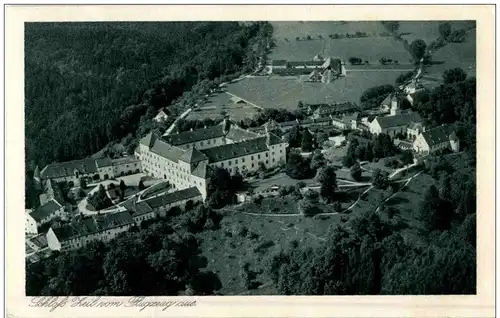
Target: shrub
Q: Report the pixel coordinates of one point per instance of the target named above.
(243, 231)
(262, 247)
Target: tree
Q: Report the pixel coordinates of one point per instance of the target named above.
(141, 185)
(100, 200)
(294, 136)
(444, 29)
(356, 172)
(123, 186)
(454, 75)
(434, 212)
(418, 49)
(327, 177)
(307, 141)
(317, 161)
(379, 179)
(297, 167)
(403, 78)
(406, 157)
(83, 183)
(308, 208)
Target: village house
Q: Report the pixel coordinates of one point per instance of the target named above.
(435, 139)
(47, 212)
(30, 226)
(337, 109)
(393, 125)
(97, 228)
(161, 116)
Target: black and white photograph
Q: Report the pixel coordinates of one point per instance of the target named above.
(198, 158)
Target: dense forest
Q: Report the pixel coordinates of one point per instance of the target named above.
(87, 84)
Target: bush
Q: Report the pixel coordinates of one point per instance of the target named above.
(243, 231)
(262, 247)
(308, 208)
(301, 184)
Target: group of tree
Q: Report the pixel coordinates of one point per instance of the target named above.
(222, 187)
(299, 137)
(99, 199)
(371, 258)
(403, 78)
(185, 125)
(372, 97)
(88, 84)
(449, 34)
(279, 115)
(154, 261)
(380, 146)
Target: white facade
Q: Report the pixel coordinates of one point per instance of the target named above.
(30, 227)
(421, 146)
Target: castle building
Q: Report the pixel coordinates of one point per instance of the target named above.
(186, 159)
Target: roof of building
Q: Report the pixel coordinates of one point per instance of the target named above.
(125, 160)
(149, 139)
(93, 225)
(65, 169)
(39, 240)
(195, 135)
(46, 210)
(171, 197)
(192, 155)
(437, 135)
(202, 170)
(165, 150)
(415, 126)
(398, 120)
(236, 150)
(238, 134)
(141, 208)
(103, 162)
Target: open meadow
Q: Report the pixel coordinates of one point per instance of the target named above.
(283, 30)
(275, 92)
(369, 49)
(221, 102)
(453, 55)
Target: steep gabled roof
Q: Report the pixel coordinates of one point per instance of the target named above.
(46, 210)
(229, 151)
(66, 169)
(195, 135)
(165, 150)
(438, 135)
(171, 197)
(238, 134)
(192, 156)
(398, 120)
(103, 162)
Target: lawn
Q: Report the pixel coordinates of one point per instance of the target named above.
(426, 30)
(218, 103)
(276, 92)
(254, 239)
(280, 179)
(369, 49)
(292, 29)
(453, 55)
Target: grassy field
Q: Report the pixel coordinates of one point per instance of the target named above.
(292, 29)
(218, 103)
(426, 30)
(286, 93)
(453, 55)
(237, 242)
(369, 49)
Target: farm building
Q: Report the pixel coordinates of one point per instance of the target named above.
(442, 137)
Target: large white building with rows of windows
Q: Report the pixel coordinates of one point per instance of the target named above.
(186, 159)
